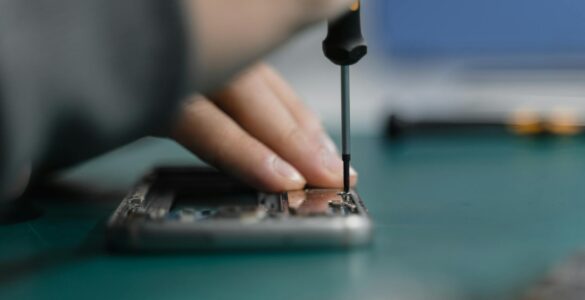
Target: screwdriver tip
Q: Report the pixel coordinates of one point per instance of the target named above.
(346, 176)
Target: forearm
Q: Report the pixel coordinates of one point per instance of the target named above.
(81, 77)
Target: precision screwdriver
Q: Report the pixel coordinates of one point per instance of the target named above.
(345, 46)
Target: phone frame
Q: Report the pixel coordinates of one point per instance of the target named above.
(292, 232)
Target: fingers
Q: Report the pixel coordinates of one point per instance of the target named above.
(230, 34)
(253, 103)
(216, 138)
(303, 115)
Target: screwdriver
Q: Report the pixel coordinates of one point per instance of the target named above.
(345, 46)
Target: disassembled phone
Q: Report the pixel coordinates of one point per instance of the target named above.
(192, 208)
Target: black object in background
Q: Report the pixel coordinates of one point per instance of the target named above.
(520, 124)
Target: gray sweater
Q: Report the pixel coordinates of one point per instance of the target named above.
(78, 77)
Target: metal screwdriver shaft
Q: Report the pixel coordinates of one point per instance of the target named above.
(345, 126)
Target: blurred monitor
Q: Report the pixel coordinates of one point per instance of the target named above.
(479, 28)
(478, 58)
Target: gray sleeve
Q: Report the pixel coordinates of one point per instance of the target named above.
(78, 77)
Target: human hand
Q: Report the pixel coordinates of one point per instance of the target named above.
(257, 129)
(230, 34)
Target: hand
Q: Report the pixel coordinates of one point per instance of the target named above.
(230, 34)
(257, 129)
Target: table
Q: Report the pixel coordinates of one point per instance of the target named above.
(455, 218)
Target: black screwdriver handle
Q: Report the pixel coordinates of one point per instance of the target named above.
(345, 44)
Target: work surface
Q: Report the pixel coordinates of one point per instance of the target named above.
(465, 218)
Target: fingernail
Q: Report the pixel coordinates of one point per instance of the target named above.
(285, 170)
(352, 172)
(331, 161)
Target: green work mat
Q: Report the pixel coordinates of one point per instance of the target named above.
(455, 218)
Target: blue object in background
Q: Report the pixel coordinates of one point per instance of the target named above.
(452, 28)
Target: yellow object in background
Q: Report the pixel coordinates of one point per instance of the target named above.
(559, 121)
(526, 122)
(563, 121)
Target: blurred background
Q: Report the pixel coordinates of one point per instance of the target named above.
(450, 59)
